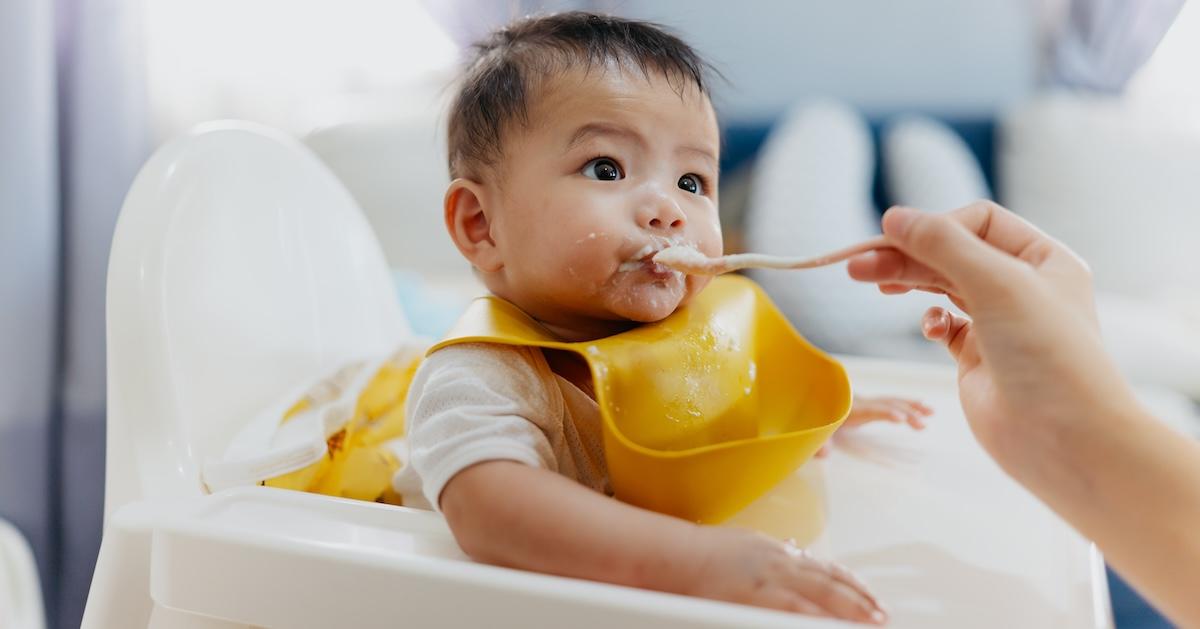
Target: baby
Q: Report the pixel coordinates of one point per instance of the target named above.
(580, 145)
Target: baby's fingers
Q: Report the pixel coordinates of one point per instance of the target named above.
(917, 407)
(895, 410)
(915, 413)
(864, 411)
(835, 589)
(788, 600)
(910, 412)
(838, 598)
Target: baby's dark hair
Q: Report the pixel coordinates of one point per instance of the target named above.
(509, 64)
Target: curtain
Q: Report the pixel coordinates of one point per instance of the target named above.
(1102, 43)
(74, 116)
(104, 139)
(29, 274)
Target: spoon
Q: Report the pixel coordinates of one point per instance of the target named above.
(689, 260)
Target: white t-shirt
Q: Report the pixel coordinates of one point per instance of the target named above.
(477, 402)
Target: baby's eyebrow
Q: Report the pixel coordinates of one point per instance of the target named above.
(704, 153)
(593, 129)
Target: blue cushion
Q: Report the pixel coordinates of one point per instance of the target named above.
(742, 140)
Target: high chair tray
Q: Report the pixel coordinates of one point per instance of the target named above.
(278, 558)
(940, 532)
(942, 535)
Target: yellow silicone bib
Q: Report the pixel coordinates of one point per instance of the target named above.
(703, 411)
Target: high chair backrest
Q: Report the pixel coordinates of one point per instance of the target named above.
(240, 268)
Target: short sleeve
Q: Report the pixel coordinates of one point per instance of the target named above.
(477, 402)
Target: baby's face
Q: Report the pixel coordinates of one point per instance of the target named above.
(611, 168)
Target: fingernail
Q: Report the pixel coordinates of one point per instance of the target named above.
(869, 256)
(878, 617)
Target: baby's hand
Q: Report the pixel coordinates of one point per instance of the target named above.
(889, 409)
(750, 568)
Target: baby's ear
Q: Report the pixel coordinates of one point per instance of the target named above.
(468, 219)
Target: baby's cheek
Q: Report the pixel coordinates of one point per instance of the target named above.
(587, 267)
(567, 249)
(711, 244)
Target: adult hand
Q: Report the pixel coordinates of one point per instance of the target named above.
(1031, 351)
(1043, 397)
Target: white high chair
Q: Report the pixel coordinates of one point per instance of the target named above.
(241, 268)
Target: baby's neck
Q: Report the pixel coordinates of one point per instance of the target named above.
(589, 330)
(566, 326)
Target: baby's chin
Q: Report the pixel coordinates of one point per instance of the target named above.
(649, 302)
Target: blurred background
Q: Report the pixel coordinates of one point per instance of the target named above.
(1082, 115)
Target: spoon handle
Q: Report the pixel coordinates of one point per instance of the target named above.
(762, 261)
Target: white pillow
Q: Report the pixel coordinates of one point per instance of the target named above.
(811, 193)
(1153, 341)
(1120, 188)
(929, 166)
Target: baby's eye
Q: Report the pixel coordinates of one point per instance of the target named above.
(602, 169)
(692, 184)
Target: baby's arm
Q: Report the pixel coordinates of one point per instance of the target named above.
(516, 515)
(481, 420)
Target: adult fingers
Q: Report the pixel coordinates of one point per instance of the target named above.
(895, 272)
(965, 252)
(986, 221)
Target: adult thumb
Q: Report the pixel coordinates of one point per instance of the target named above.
(952, 245)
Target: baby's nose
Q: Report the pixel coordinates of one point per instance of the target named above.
(663, 213)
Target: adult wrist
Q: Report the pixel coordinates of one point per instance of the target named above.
(1052, 453)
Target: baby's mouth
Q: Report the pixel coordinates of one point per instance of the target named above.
(643, 260)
